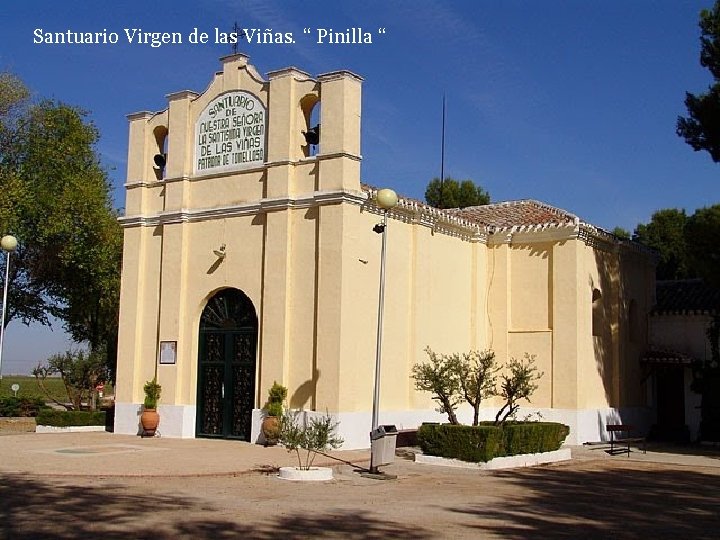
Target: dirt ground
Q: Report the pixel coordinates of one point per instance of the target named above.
(587, 498)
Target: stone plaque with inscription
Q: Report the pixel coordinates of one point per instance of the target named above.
(230, 134)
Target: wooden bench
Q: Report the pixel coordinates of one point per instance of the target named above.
(617, 439)
(406, 438)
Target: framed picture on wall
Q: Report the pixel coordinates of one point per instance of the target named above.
(168, 352)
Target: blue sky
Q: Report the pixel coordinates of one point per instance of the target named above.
(570, 102)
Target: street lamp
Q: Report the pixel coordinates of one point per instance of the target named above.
(386, 199)
(8, 244)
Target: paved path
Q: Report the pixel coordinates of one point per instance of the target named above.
(114, 487)
(107, 454)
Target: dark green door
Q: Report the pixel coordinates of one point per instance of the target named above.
(226, 366)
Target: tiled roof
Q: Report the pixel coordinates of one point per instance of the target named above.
(686, 296)
(524, 215)
(516, 214)
(655, 356)
(526, 212)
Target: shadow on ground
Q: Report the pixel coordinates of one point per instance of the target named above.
(32, 509)
(610, 503)
(692, 449)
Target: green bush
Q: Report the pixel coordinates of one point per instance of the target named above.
(277, 393)
(469, 443)
(49, 417)
(486, 441)
(275, 409)
(276, 397)
(20, 406)
(152, 393)
(533, 437)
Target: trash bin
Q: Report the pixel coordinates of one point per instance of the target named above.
(382, 441)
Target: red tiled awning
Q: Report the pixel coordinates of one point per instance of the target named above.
(666, 357)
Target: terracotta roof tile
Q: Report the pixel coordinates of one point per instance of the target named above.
(504, 214)
(516, 213)
(656, 356)
(686, 296)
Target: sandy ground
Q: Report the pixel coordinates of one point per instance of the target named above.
(590, 497)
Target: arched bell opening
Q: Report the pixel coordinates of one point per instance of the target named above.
(160, 157)
(310, 106)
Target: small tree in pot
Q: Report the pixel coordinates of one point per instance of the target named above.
(274, 410)
(313, 436)
(150, 417)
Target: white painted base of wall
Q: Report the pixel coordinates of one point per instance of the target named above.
(68, 429)
(176, 421)
(508, 462)
(586, 425)
(127, 418)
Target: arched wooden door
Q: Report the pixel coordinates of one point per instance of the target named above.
(226, 366)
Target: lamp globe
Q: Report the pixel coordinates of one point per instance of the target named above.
(8, 242)
(386, 198)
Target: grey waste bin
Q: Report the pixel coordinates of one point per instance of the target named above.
(382, 441)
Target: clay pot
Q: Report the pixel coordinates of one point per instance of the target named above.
(149, 419)
(271, 430)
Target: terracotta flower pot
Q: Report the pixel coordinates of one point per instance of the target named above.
(149, 419)
(271, 430)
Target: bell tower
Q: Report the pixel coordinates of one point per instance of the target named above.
(246, 169)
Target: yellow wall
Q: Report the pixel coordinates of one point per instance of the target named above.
(431, 300)
(541, 304)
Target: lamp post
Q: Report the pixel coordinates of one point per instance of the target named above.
(8, 244)
(386, 199)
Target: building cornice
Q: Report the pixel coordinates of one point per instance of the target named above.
(290, 71)
(140, 115)
(184, 215)
(407, 211)
(182, 94)
(340, 74)
(412, 211)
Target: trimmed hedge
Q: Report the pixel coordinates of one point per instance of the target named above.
(70, 418)
(468, 443)
(20, 406)
(533, 437)
(486, 441)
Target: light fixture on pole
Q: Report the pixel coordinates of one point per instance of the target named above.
(386, 199)
(8, 244)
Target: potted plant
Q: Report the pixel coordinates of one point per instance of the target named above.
(150, 417)
(273, 413)
(313, 436)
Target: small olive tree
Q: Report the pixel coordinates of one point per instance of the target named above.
(516, 384)
(439, 376)
(314, 436)
(476, 372)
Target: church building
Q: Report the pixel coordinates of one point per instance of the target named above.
(250, 257)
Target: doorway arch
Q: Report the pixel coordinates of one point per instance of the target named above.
(227, 362)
